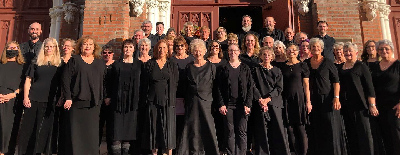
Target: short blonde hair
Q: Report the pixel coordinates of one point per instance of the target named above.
(96, 51)
(55, 59)
(269, 51)
(20, 58)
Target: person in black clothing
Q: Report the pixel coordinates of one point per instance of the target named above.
(289, 36)
(124, 95)
(322, 27)
(327, 131)
(338, 52)
(11, 65)
(231, 39)
(171, 31)
(159, 93)
(357, 96)
(369, 55)
(246, 28)
(198, 135)
(82, 85)
(221, 37)
(270, 30)
(144, 48)
(205, 35)
(216, 57)
(106, 113)
(188, 32)
(386, 79)
(235, 99)
(296, 100)
(181, 59)
(268, 89)
(251, 48)
(159, 33)
(138, 35)
(40, 89)
(280, 54)
(268, 41)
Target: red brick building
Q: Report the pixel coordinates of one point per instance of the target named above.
(111, 21)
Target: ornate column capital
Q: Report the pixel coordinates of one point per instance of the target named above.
(384, 10)
(302, 6)
(70, 10)
(136, 7)
(56, 11)
(369, 8)
(163, 5)
(151, 4)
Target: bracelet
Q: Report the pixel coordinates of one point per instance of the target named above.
(372, 105)
(336, 96)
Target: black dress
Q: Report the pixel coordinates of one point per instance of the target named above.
(269, 83)
(37, 123)
(8, 84)
(159, 94)
(125, 98)
(106, 112)
(356, 87)
(83, 84)
(327, 129)
(278, 64)
(199, 135)
(387, 88)
(295, 112)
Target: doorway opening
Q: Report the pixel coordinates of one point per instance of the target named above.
(231, 17)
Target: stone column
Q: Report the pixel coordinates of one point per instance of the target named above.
(152, 13)
(55, 13)
(164, 13)
(384, 11)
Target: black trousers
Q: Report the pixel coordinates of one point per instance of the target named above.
(6, 122)
(36, 129)
(235, 126)
(106, 118)
(358, 131)
(298, 140)
(84, 129)
(277, 135)
(390, 131)
(259, 129)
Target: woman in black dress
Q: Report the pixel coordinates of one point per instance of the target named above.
(181, 59)
(199, 133)
(144, 48)
(235, 95)
(386, 79)
(11, 63)
(215, 56)
(369, 55)
(357, 96)
(250, 50)
(40, 89)
(327, 131)
(159, 94)
(338, 52)
(83, 91)
(269, 84)
(296, 100)
(124, 94)
(280, 54)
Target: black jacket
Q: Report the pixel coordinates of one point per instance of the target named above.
(25, 50)
(245, 82)
(268, 84)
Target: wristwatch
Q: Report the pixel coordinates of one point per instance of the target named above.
(336, 96)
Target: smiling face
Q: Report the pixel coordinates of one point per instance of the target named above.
(305, 47)
(338, 52)
(292, 51)
(189, 30)
(385, 51)
(266, 56)
(233, 52)
(221, 33)
(268, 42)
(107, 54)
(322, 28)
(205, 34)
(350, 54)
(316, 49)
(87, 47)
(180, 48)
(246, 21)
(144, 48)
(198, 52)
(371, 49)
(279, 50)
(250, 42)
(163, 50)
(67, 47)
(147, 28)
(214, 48)
(34, 31)
(160, 29)
(49, 48)
(270, 23)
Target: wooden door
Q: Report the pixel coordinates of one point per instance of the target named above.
(394, 20)
(198, 15)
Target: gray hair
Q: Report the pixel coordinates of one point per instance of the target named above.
(350, 45)
(273, 40)
(247, 16)
(198, 43)
(384, 42)
(314, 41)
(145, 40)
(278, 42)
(138, 30)
(338, 45)
(147, 22)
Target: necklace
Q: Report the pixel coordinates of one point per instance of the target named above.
(384, 67)
(348, 65)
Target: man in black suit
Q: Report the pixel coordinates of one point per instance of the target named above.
(328, 40)
(31, 48)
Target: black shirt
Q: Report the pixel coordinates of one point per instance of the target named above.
(322, 78)
(10, 77)
(269, 83)
(250, 61)
(83, 81)
(242, 34)
(154, 38)
(234, 78)
(182, 63)
(328, 46)
(387, 85)
(45, 82)
(276, 34)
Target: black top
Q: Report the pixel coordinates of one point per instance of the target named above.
(224, 45)
(154, 38)
(234, 78)
(125, 79)
(387, 85)
(328, 46)
(322, 78)
(83, 81)
(220, 64)
(45, 82)
(278, 64)
(242, 34)
(200, 80)
(276, 34)
(250, 61)
(189, 39)
(288, 42)
(245, 82)
(356, 86)
(182, 63)
(269, 83)
(30, 50)
(10, 77)
(293, 76)
(371, 64)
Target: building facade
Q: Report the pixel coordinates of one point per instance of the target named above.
(112, 21)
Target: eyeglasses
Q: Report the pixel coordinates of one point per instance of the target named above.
(107, 52)
(234, 50)
(384, 48)
(370, 46)
(215, 46)
(180, 45)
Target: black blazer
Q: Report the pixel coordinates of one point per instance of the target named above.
(25, 50)
(245, 82)
(268, 84)
(362, 80)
